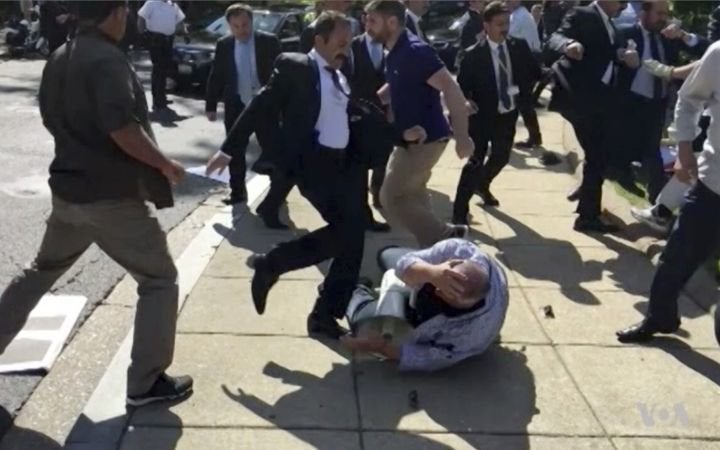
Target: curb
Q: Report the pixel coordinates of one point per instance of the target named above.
(702, 288)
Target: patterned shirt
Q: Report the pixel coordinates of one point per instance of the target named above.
(443, 341)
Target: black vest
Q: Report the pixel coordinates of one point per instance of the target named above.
(365, 80)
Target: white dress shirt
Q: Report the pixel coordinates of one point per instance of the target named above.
(701, 89)
(333, 126)
(523, 26)
(375, 50)
(161, 16)
(498, 67)
(607, 77)
(246, 67)
(644, 82)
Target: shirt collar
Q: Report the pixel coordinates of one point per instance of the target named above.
(250, 41)
(494, 45)
(322, 63)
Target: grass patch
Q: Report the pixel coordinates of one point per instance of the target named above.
(634, 200)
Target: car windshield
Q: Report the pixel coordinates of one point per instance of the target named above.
(262, 21)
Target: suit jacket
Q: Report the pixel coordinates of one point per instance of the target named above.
(473, 27)
(222, 82)
(478, 81)
(410, 25)
(290, 103)
(365, 80)
(670, 48)
(585, 25)
(373, 136)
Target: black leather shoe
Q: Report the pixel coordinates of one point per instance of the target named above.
(321, 325)
(594, 225)
(270, 219)
(378, 227)
(263, 280)
(574, 195)
(489, 199)
(642, 332)
(527, 145)
(235, 199)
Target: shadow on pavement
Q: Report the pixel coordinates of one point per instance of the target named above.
(494, 393)
(691, 358)
(23, 438)
(530, 269)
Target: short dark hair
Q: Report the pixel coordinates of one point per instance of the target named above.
(96, 12)
(493, 10)
(647, 5)
(327, 22)
(388, 8)
(238, 9)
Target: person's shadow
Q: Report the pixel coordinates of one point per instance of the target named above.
(688, 356)
(22, 438)
(493, 393)
(89, 434)
(570, 286)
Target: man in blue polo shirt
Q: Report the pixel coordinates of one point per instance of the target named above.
(416, 77)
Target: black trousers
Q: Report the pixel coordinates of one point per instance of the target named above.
(589, 118)
(333, 185)
(280, 186)
(530, 118)
(635, 132)
(238, 165)
(161, 54)
(497, 135)
(694, 239)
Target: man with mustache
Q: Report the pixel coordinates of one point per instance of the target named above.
(311, 96)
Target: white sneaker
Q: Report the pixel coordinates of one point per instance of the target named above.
(647, 217)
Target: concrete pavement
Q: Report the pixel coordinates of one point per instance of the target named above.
(550, 383)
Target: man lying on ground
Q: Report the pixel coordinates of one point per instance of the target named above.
(453, 295)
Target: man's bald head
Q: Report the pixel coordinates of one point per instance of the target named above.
(476, 285)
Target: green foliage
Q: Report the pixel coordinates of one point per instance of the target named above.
(694, 14)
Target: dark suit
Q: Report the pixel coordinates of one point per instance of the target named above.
(488, 127)
(586, 102)
(473, 27)
(56, 33)
(365, 82)
(222, 86)
(331, 180)
(410, 25)
(636, 128)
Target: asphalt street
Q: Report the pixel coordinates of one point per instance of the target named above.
(26, 150)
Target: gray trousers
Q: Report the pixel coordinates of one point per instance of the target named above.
(130, 234)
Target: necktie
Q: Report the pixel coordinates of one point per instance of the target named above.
(655, 54)
(336, 80)
(503, 78)
(245, 74)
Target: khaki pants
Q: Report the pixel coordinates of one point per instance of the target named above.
(129, 233)
(404, 193)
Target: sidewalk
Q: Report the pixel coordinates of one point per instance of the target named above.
(551, 383)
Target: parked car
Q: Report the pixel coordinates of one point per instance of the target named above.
(193, 59)
(443, 24)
